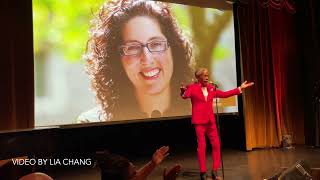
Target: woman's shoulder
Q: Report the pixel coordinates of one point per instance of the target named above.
(92, 115)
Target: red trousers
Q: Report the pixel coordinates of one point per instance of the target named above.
(211, 131)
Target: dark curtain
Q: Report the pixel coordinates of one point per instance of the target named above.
(16, 65)
(308, 28)
(268, 42)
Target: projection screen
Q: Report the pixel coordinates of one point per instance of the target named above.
(102, 60)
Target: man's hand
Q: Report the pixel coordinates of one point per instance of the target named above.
(183, 88)
(245, 84)
(172, 173)
(160, 154)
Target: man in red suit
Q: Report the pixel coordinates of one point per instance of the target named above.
(202, 93)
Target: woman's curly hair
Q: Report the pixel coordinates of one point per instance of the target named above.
(103, 58)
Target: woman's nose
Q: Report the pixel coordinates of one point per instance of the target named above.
(146, 56)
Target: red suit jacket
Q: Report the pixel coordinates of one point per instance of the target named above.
(202, 109)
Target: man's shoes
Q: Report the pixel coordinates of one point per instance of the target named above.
(203, 176)
(214, 175)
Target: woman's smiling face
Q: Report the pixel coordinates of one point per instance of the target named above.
(150, 72)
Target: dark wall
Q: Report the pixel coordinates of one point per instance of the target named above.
(130, 139)
(308, 28)
(16, 65)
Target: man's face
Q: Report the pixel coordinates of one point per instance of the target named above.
(204, 77)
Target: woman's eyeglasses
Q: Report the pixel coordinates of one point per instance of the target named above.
(137, 48)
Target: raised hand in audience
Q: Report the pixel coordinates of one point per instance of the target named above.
(160, 154)
(172, 173)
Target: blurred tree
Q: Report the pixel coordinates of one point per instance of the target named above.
(206, 32)
(62, 26)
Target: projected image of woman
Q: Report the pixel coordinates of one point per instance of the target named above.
(136, 58)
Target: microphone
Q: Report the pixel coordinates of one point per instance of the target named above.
(155, 114)
(214, 84)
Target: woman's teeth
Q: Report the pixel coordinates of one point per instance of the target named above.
(151, 73)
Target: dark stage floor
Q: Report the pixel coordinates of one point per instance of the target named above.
(238, 165)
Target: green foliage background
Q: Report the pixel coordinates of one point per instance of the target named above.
(62, 26)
